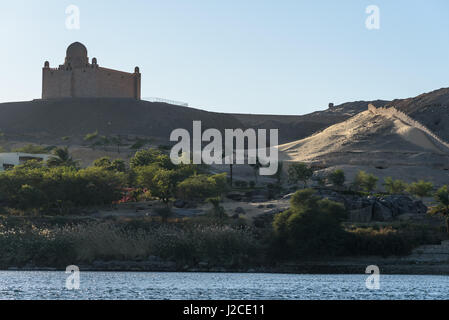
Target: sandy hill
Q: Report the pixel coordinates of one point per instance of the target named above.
(379, 141)
(293, 127)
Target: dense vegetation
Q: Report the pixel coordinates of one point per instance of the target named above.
(312, 228)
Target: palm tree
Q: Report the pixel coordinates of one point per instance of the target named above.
(256, 166)
(61, 157)
(223, 156)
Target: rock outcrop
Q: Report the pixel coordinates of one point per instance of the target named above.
(372, 208)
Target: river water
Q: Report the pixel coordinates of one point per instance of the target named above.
(204, 286)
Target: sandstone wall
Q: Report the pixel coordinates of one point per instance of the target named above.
(90, 83)
(56, 83)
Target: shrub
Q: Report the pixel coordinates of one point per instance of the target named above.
(442, 198)
(311, 227)
(337, 178)
(394, 186)
(299, 172)
(202, 186)
(85, 243)
(91, 136)
(218, 210)
(106, 163)
(420, 189)
(151, 156)
(365, 181)
(59, 187)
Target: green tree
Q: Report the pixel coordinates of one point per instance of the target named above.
(365, 181)
(231, 176)
(151, 156)
(394, 186)
(101, 186)
(442, 197)
(30, 197)
(256, 167)
(337, 178)
(115, 165)
(159, 181)
(61, 157)
(299, 172)
(202, 186)
(279, 172)
(420, 189)
(311, 227)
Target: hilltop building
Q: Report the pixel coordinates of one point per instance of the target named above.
(77, 78)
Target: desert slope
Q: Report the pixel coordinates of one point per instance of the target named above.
(48, 120)
(369, 139)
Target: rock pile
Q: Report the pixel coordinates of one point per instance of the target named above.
(376, 208)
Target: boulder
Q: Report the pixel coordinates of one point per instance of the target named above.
(361, 214)
(382, 212)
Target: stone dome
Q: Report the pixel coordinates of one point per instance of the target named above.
(76, 55)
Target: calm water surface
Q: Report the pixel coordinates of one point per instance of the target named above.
(160, 285)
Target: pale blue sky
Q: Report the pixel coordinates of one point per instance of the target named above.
(251, 56)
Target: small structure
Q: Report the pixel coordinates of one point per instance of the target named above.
(77, 78)
(9, 160)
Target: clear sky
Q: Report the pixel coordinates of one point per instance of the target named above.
(246, 56)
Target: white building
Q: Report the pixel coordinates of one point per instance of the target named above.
(9, 160)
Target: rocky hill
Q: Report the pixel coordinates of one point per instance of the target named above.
(49, 120)
(431, 109)
(46, 121)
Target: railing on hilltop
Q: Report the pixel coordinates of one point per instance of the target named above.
(392, 111)
(177, 103)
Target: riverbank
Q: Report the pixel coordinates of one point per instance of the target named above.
(306, 268)
(394, 265)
